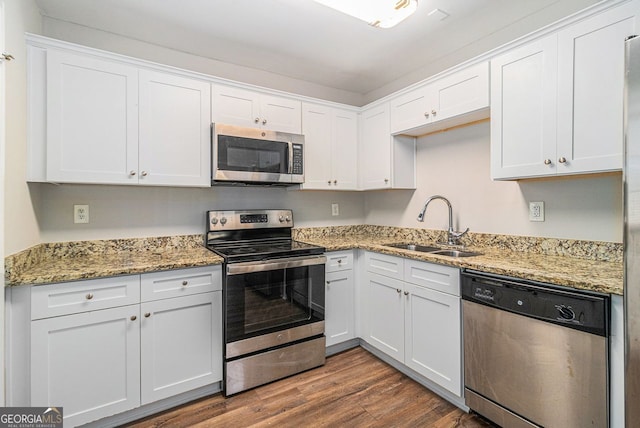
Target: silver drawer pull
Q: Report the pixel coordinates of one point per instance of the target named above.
(398, 290)
(133, 317)
(89, 296)
(147, 314)
(406, 293)
(185, 282)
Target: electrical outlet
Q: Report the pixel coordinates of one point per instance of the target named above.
(335, 209)
(536, 211)
(81, 213)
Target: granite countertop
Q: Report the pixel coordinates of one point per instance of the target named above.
(603, 276)
(595, 266)
(63, 262)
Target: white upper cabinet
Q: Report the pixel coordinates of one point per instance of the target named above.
(452, 100)
(331, 147)
(113, 123)
(591, 92)
(175, 128)
(556, 103)
(235, 106)
(375, 148)
(385, 161)
(523, 110)
(91, 119)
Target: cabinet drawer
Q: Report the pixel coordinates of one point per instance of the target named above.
(81, 296)
(436, 277)
(383, 264)
(183, 282)
(340, 260)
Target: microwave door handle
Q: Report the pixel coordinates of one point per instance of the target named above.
(290, 169)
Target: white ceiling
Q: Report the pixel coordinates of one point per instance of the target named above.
(305, 40)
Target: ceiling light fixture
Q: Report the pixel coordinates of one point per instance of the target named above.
(378, 13)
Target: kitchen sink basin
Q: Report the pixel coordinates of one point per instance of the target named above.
(455, 253)
(413, 247)
(432, 250)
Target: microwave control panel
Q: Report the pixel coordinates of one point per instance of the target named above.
(297, 159)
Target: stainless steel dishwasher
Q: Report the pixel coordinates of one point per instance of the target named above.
(535, 354)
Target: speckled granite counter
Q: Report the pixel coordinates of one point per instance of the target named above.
(585, 265)
(70, 261)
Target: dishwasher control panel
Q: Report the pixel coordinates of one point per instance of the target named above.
(575, 309)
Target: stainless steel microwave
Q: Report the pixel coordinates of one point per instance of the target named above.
(255, 156)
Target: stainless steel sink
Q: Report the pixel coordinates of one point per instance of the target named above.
(432, 250)
(456, 253)
(413, 247)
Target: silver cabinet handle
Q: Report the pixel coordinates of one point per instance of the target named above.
(398, 290)
(329, 182)
(335, 181)
(185, 282)
(132, 173)
(7, 57)
(133, 317)
(256, 120)
(426, 114)
(328, 282)
(433, 112)
(386, 180)
(144, 173)
(406, 293)
(339, 261)
(89, 296)
(547, 161)
(147, 314)
(264, 121)
(562, 159)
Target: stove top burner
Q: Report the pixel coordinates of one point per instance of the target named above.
(247, 250)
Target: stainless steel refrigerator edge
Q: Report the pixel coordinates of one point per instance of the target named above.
(631, 179)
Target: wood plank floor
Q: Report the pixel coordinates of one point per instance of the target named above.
(353, 389)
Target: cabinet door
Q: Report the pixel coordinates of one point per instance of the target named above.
(280, 114)
(523, 111)
(432, 336)
(344, 150)
(88, 363)
(339, 314)
(385, 314)
(411, 110)
(375, 149)
(175, 115)
(234, 106)
(460, 93)
(181, 345)
(92, 120)
(591, 71)
(316, 124)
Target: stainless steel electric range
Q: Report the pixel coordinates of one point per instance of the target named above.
(273, 297)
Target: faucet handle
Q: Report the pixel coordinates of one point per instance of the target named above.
(454, 238)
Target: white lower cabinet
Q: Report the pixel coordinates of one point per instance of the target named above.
(339, 298)
(181, 345)
(97, 362)
(413, 315)
(87, 363)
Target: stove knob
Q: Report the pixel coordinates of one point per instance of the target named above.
(287, 219)
(223, 221)
(214, 221)
(281, 218)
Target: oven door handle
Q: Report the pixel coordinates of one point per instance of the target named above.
(275, 264)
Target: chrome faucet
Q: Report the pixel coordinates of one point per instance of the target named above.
(453, 238)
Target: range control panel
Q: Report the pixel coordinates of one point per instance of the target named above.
(249, 219)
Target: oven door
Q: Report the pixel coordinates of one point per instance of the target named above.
(263, 299)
